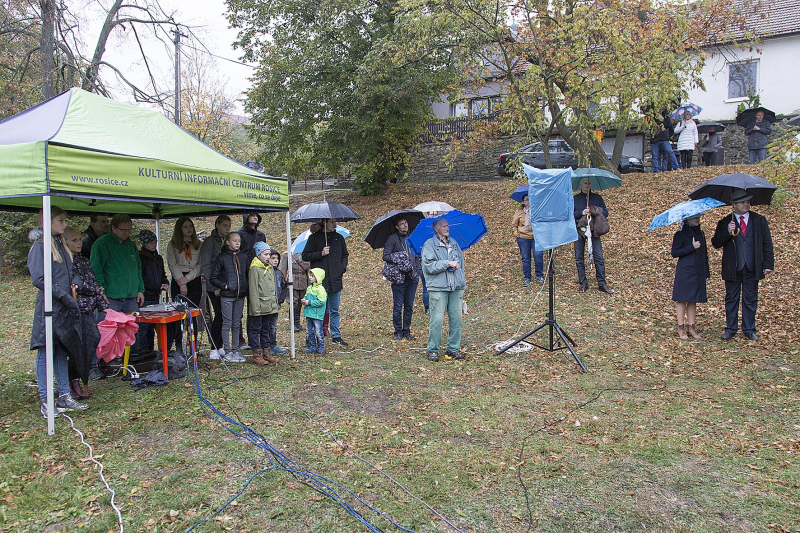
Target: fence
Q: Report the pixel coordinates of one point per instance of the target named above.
(453, 128)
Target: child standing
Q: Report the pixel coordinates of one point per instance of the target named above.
(262, 304)
(314, 310)
(689, 288)
(155, 281)
(229, 275)
(89, 295)
(282, 291)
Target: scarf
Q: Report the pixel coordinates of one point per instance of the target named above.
(187, 250)
(527, 217)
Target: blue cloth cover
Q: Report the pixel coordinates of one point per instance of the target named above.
(550, 195)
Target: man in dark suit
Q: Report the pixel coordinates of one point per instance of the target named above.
(747, 257)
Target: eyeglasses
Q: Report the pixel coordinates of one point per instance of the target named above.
(124, 230)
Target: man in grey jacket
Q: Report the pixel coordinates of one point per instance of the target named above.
(443, 268)
(758, 137)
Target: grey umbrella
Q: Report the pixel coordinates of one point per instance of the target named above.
(795, 121)
(722, 187)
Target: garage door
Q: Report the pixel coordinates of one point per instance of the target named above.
(634, 145)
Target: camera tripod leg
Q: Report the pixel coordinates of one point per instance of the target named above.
(531, 332)
(569, 343)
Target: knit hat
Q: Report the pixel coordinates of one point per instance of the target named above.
(146, 237)
(260, 247)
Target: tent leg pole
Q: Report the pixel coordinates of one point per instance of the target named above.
(48, 309)
(158, 234)
(290, 276)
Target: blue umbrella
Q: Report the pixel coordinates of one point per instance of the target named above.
(465, 228)
(600, 179)
(519, 193)
(684, 210)
(299, 244)
(694, 109)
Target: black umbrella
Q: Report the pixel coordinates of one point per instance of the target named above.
(721, 188)
(323, 209)
(383, 228)
(748, 116)
(703, 128)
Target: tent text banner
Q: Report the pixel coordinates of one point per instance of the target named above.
(110, 175)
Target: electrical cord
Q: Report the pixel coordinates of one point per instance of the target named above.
(278, 460)
(102, 477)
(553, 423)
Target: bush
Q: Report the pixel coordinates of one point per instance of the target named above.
(14, 243)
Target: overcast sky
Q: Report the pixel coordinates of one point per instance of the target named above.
(208, 22)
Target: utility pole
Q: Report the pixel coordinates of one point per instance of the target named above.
(177, 40)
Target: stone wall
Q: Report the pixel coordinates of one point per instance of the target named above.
(428, 165)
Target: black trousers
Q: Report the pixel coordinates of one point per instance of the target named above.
(597, 254)
(686, 158)
(709, 158)
(746, 287)
(194, 291)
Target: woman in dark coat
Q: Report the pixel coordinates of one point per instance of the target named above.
(691, 273)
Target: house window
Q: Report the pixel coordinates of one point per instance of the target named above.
(459, 109)
(480, 107)
(742, 79)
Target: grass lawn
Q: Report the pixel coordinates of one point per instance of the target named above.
(660, 435)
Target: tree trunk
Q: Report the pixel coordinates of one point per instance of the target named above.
(47, 46)
(90, 79)
(619, 144)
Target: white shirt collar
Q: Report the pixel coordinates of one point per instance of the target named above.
(746, 218)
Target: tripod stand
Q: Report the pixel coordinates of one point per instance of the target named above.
(551, 322)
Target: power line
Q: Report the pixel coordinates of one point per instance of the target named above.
(207, 51)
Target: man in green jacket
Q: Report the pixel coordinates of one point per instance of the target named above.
(443, 268)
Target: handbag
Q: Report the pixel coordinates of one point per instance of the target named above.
(599, 222)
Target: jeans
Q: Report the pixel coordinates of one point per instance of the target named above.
(426, 301)
(746, 286)
(441, 302)
(597, 254)
(332, 307)
(231, 322)
(758, 155)
(526, 248)
(656, 149)
(403, 305)
(60, 369)
(316, 340)
(262, 329)
(686, 158)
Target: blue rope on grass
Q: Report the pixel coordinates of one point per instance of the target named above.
(278, 460)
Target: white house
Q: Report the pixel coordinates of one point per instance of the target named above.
(771, 69)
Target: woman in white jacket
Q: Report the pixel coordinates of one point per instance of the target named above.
(687, 139)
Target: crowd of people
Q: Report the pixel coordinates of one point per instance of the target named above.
(238, 270)
(681, 137)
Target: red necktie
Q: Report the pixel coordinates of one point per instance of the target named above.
(743, 225)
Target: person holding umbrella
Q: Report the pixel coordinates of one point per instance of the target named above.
(589, 204)
(747, 258)
(326, 249)
(525, 240)
(692, 271)
(687, 139)
(757, 137)
(711, 145)
(397, 252)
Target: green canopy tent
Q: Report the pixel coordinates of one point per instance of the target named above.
(94, 155)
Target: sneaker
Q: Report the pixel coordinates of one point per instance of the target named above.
(398, 336)
(43, 409)
(233, 357)
(221, 352)
(526, 283)
(540, 279)
(409, 337)
(455, 355)
(339, 341)
(428, 311)
(320, 352)
(214, 355)
(96, 375)
(67, 403)
(309, 350)
(244, 346)
(277, 350)
(433, 356)
(298, 327)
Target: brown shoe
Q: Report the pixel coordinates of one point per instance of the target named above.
(258, 357)
(693, 332)
(682, 332)
(269, 358)
(77, 389)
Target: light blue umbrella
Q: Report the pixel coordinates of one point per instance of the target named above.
(299, 244)
(684, 210)
(694, 109)
(600, 179)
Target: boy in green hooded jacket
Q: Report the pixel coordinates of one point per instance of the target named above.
(314, 310)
